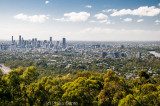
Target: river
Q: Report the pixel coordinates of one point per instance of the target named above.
(155, 53)
(4, 68)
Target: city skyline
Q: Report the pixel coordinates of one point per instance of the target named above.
(20, 37)
(35, 42)
(81, 20)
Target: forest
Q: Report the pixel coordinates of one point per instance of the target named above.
(22, 87)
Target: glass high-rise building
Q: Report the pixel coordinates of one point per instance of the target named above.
(12, 40)
(64, 43)
(20, 40)
(51, 39)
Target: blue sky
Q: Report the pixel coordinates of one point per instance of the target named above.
(97, 20)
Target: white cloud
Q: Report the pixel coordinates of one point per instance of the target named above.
(88, 6)
(108, 34)
(92, 21)
(74, 17)
(157, 21)
(141, 11)
(140, 20)
(105, 21)
(128, 19)
(101, 16)
(109, 10)
(33, 18)
(61, 19)
(159, 4)
(46, 2)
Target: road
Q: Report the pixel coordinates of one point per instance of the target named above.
(4, 68)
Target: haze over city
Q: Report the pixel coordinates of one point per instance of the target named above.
(88, 20)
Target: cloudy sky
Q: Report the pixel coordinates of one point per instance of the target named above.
(93, 20)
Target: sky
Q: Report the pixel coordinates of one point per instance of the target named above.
(81, 20)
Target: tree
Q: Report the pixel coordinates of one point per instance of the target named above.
(5, 96)
(82, 90)
(13, 80)
(36, 94)
(144, 77)
(29, 75)
(129, 100)
(142, 74)
(114, 89)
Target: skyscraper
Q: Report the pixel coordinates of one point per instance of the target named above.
(51, 40)
(138, 55)
(64, 43)
(12, 40)
(19, 40)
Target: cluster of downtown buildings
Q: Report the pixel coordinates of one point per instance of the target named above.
(79, 48)
(34, 43)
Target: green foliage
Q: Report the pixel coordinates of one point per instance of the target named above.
(82, 90)
(36, 94)
(114, 89)
(21, 86)
(129, 100)
(29, 75)
(142, 74)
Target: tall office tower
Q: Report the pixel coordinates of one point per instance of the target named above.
(22, 42)
(27, 44)
(138, 55)
(50, 40)
(57, 43)
(32, 39)
(19, 40)
(32, 42)
(35, 40)
(12, 40)
(38, 44)
(64, 43)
